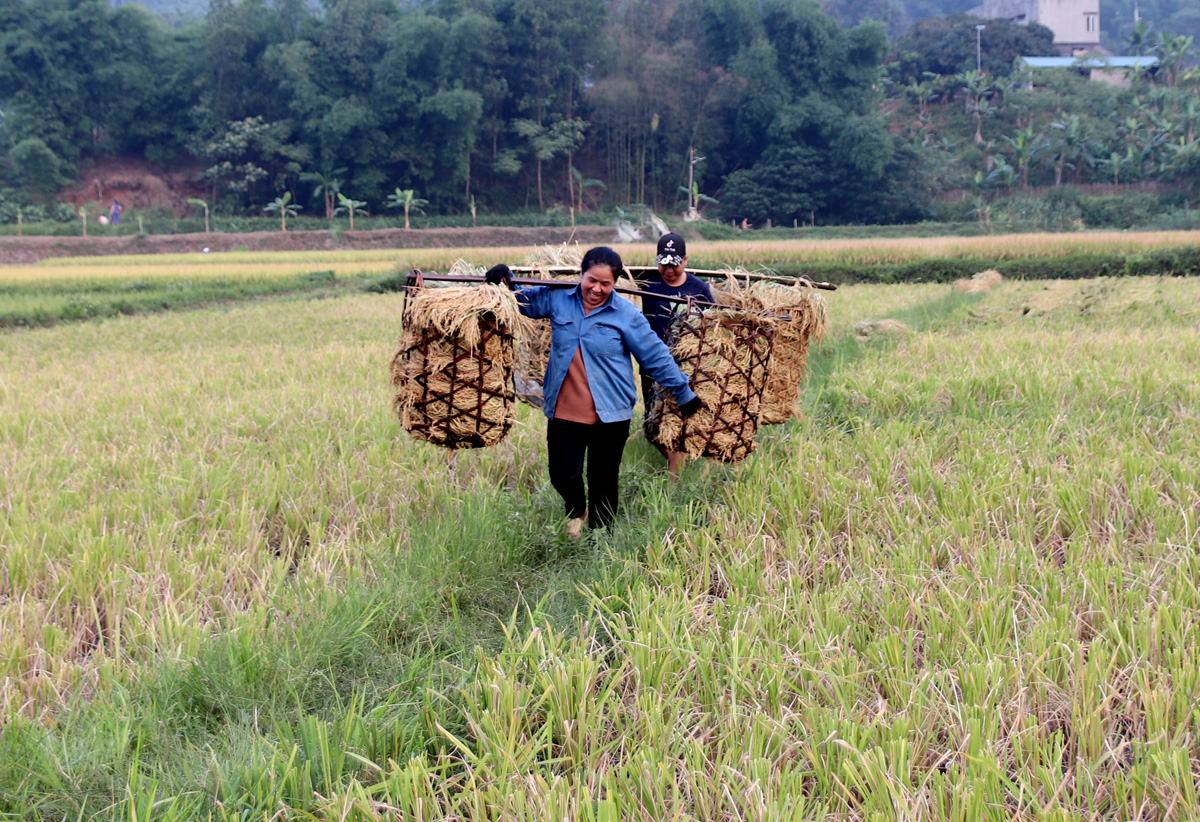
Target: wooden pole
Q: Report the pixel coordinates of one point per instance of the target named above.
(643, 270)
(416, 277)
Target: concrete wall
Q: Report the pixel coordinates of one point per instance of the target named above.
(1075, 23)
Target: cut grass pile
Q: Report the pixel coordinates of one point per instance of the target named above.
(961, 586)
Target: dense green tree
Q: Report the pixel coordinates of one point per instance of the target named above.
(769, 107)
(549, 47)
(947, 45)
(37, 166)
(850, 13)
(53, 56)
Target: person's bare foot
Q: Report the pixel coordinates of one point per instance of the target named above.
(575, 526)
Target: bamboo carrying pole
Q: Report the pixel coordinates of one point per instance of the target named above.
(636, 270)
(415, 279)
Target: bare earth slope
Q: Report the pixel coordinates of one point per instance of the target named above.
(25, 250)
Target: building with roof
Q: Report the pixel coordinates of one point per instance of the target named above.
(1075, 23)
(1104, 68)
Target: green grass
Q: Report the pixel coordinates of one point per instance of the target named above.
(49, 303)
(961, 586)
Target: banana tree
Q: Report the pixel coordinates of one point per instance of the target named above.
(407, 200)
(1073, 147)
(695, 199)
(327, 187)
(1026, 147)
(349, 206)
(1003, 173)
(1172, 51)
(83, 215)
(977, 101)
(582, 184)
(285, 207)
(1115, 162)
(200, 204)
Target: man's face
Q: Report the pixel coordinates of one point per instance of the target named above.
(597, 284)
(673, 274)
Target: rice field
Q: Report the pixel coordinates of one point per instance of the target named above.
(702, 254)
(962, 586)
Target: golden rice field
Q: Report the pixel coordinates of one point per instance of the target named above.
(748, 254)
(964, 585)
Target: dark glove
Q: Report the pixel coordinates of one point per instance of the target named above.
(691, 407)
(499, 275)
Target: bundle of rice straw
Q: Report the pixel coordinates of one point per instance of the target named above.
(726, 354)
(454, 370)
(979, 283)
(800, 315)
(533, 350)
(864, 329)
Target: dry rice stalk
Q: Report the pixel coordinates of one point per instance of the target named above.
(553, 255)
(725, 353)
(800, 316)
(462, 268)
(982, 282)
(453, 371)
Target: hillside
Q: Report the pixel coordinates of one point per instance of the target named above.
(179, 11)
(1116, 16)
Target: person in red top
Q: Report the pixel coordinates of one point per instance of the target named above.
(589, 388)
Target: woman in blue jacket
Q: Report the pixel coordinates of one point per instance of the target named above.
(588, 390)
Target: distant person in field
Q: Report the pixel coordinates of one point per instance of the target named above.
(672, 280)
(589, 388)
(114, 213)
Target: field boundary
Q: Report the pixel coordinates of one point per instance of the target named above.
(25, 250)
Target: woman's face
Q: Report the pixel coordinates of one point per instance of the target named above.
(597, 284)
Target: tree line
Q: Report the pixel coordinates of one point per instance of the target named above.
(747, 109)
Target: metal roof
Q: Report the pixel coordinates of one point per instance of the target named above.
(1090, 62)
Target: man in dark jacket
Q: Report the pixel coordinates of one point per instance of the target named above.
(672, 280)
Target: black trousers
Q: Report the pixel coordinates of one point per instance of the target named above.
(603, 444)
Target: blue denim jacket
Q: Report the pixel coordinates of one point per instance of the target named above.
(607, 335)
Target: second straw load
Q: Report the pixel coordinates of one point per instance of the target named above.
(453, 373)
(746, 362)
(725, 354)
(800, 315)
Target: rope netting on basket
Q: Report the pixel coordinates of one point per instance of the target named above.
(533, 349)
(453, 372)
(800, 316)
(726, 354)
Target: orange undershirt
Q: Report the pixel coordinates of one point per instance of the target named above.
(575, 402)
